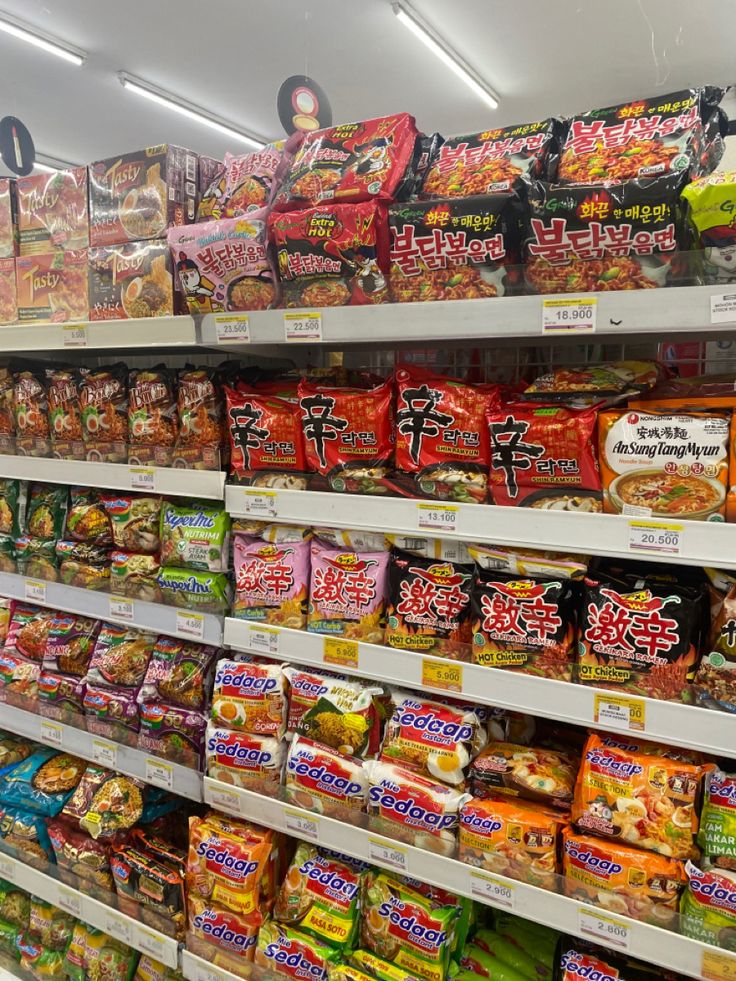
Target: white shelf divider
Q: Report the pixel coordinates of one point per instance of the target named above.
(103, 606)
(97, 914)
(195, 968)
(132, 335)
(649, 943)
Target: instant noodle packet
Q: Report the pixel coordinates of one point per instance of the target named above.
(250, 697)
(323, 705)
(28, 630)
(13, 499)
(717, 828)
(709, 205)
(61, 696)
(153, 421)
(120, 657)
(512, 838)
(52, 926)
(40, 962)
(30, 408)
(111, 712)
(103, 396)
(323, 780)
(643, 800)
(320, 895)
(47, 509)
(266, 441)
(405, 805)
(135, 521)
(223, 868)
(708, 906)
(358, 541)
(42, 783)
(201, 407)
(173, 732)
(610, 380)
(528, 772)
(245, 760)
(622, 879)
(374, 967)
(527, 562)
(179, 672)
(105, 804)
(52, 287)
(285, 951)
(69, 643)
(246, 183)
(271, 581)
(65, 412)
(135, 576)
(203, 592)
(86, 519)
(195, 536)
(347, 593)
(212, 928)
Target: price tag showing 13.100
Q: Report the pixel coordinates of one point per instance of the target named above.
(437, 517)
(571, 315)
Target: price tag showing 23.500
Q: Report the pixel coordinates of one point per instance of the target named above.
(571, 315)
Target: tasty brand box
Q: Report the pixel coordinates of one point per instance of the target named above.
(8, 218)
(8, 292)
(52, 288)
(130, 281)
(52, 211)
(139, 195)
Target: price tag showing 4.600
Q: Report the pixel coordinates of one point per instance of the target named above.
(190, 625)
(492, 890)
(340, 651)
(142, 478)
(263, 639)
(447, 675)
(437, 517)
(74, 335)
(305, 326)
(260, 503)
(386, 853)
(655, 537)
(302, 826)
(620, 712)
(233, 329)
(35, 591)
(571, 315)
(612, 931)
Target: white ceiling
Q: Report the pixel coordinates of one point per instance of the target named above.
(230, 57)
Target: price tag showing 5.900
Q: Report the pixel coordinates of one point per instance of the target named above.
(447, 675)
(571, 315)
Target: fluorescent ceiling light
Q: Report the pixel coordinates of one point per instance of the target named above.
(45, 168)
(24, 32)
(50, 165)
(161, 98)
(429, 37)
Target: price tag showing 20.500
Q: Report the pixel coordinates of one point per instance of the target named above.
(655, 537)
(570, 315)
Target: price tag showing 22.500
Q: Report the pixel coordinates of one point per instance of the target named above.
(570, 315)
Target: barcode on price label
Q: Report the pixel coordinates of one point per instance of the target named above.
(74, 335)
(655, 537)
(437, 517)
(259, 503)
(302, 826)
(492, 890)
(142, 478)
(51, 733)
(160, 774)
(305, 326)
(226, 800)
(121, 609)
(190, 625)
(386, 853)
(263, 639)
(572, 315)
(104, 753)
(601, 926)
(35, 591)
(233, 329)
(70, 902)
(620, 712)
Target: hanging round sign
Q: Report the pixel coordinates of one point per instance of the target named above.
(16, 146)
(303, 105)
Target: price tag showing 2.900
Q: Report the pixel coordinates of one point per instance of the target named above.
(655, 537)
(571, 315)
(718, 965)
(492, 890)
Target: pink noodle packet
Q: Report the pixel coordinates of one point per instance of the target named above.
(271, 581)
(347, 593)
(248, 182)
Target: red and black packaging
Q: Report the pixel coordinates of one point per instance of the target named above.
(428, 607)
(201, 410)
(348, 435)
(593, 237)
(65, 412)
(333, 255)
(524, 624)
(543, 457)
(641, 139)
(266, 442)
(153, 420)
(492, 161)
(442, 448)
(576, 959)
(31, 406)
(104, 399)
(456, 249)
(350, 163)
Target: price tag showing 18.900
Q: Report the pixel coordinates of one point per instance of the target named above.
(571, 315)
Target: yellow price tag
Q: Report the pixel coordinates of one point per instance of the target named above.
(447, 675)
(718, 966)
(620, 712)
(338, 650)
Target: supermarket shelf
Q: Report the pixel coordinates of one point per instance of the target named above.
(117, 476)
(204, 627)
(708, 543)
(646, 942)
(92, 911)
(196, 968)
(125, 759)
(132, 335)
(668, 722)
(677, 310)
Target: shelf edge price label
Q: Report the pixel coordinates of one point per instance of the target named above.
(142, 478)
(51, 733)
(655, 537)
(209, 973)
(340, 651)
(35, 591)
(301, 826)
(117, 926)
(105, 754)
(447, 675)
(158, 773)
(121, 609)
(490, 889)
(718, 965)
(226, 800)
(7, 868)
(190, 624)
(74, 335)
(260, 503)
(149, 943)
(723, 308)
(69, 901)
(386, 853)
(305, 326)
(620, 712)
(612, 931)
(263, 639)
(571, 315)
(233, 329)
(437, 517)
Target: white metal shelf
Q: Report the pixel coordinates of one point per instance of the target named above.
(669, 722)
(710, 543)
(133, 335)
(649, 943)
(663, 312)
(116, 476)
(105, 752)
(97, 914)
(196, 968)
(203, 627)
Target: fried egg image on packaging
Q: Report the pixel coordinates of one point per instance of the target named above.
(232, 714)
(448, 766)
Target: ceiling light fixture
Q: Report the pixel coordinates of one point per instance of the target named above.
(429, 37)
(50, 165)
(31, 35)
(162, 98)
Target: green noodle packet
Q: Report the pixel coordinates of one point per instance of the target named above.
(717, 832)
(13, 500)
(708, 906)
(201, 592)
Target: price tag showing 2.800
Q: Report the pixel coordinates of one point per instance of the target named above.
(612, 931)
(571, 315)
